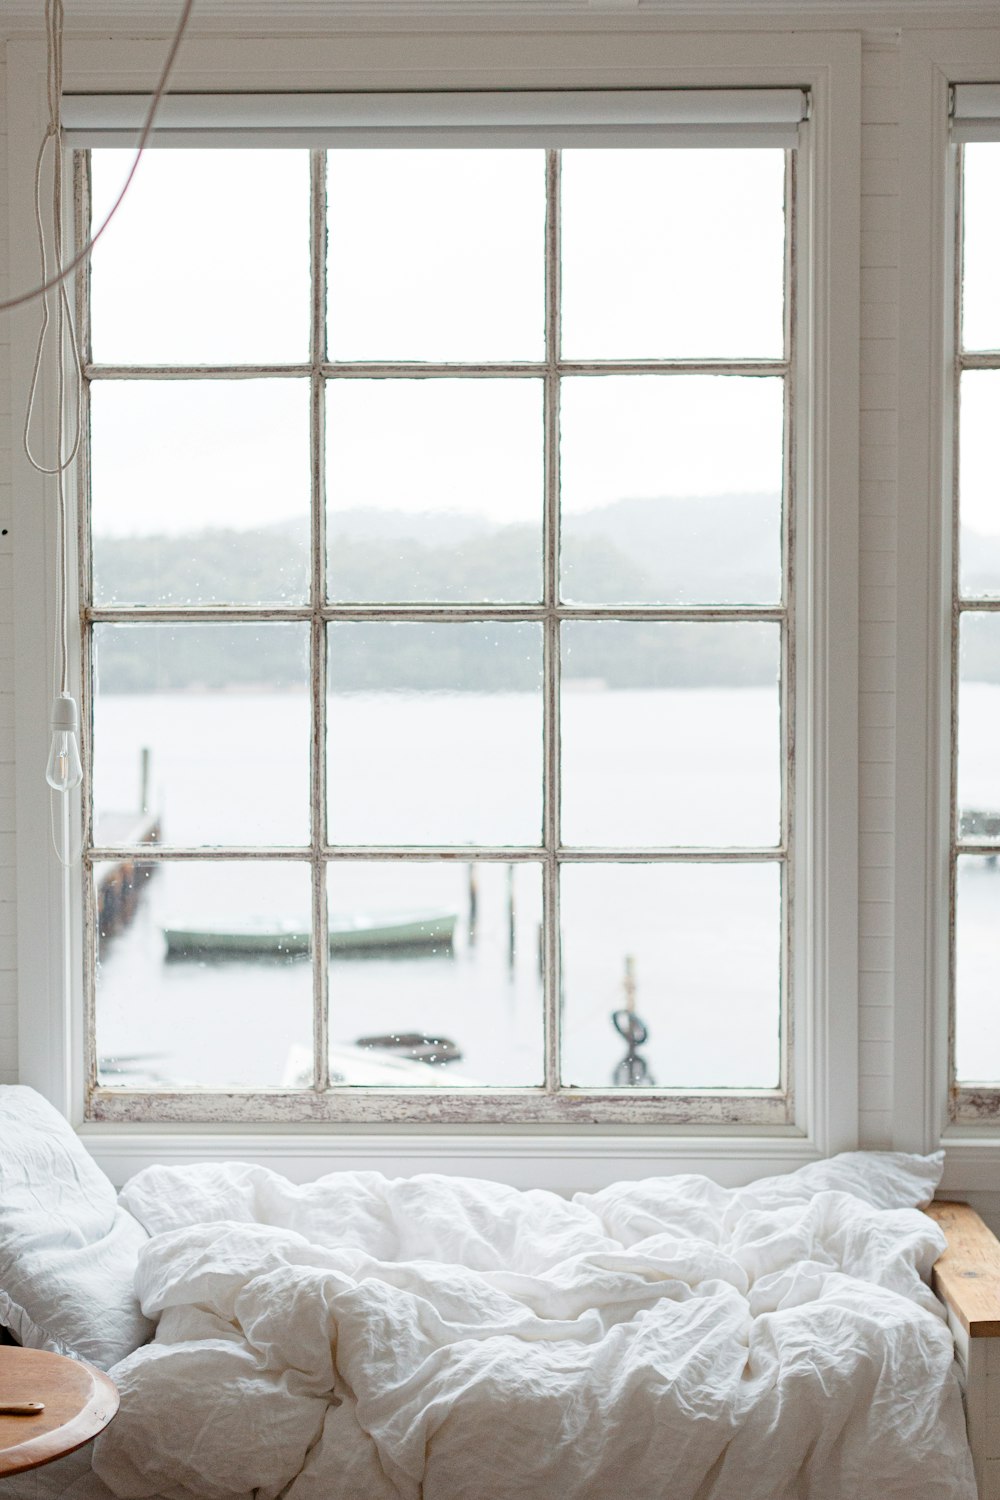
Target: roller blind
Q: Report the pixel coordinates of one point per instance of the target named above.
(617, 117)
(976, 112)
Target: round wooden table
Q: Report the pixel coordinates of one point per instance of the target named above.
(79, 1402)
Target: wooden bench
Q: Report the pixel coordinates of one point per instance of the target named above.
(967, 1280)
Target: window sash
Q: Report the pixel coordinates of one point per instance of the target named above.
(976, 118)
(550, 1103)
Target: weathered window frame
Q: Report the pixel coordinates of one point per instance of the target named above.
(969, 1103)
(554, 1101)
(927, 1112)
(606, 54)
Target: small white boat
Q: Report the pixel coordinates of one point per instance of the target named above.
(359, 1066)
(256, 937)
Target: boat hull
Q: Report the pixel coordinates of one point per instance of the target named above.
(419, 931)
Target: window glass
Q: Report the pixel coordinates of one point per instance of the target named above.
(200, 491)
(435, 489)
(673, 254)
(655, 468)
(207, 260)
(190, 957)
(436, 255)
(438, 630)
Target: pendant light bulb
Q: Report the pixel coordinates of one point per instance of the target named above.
(64, 771)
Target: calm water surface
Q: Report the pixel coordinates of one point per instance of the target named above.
(650, 767)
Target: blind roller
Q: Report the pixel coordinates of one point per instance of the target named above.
(976, 112)
(620, 117)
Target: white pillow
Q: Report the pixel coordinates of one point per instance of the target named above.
(68, 1252)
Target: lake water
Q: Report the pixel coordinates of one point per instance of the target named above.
(645, 766)
(653, 765)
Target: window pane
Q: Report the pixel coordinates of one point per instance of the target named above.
(435, 489)
(979, 484)
(434, 974)
(203, 973)
(436, 255)
(192, 271)
(977, 962)
(200, 491)
(704, 946)
(979, 726)
(981, 213)
(224, 712)
(435, 733)
(656, 471)
(672, 254)
(671, 734)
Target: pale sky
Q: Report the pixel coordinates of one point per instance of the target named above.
(433, 255)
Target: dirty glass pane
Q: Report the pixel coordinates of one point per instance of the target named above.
(192, 272)
(673, 253)
(435, 733)
(981, 214)
(223, 711)
(979, 727)
(977, 962)
(436, 255)
(979, 483)
(671, 734)
(693, 953)
(434, 489)
(434, 974)
(200, 491)
(671, 489)
(203, 973)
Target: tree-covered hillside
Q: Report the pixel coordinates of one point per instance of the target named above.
(721, 550)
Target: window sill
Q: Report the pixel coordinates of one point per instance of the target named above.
(563, 1163)
(972, 1158)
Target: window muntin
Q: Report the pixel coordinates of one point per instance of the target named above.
(520, 861)
(975, 1052)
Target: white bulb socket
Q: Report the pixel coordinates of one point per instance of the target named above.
(64, 716)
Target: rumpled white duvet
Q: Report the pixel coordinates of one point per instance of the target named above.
(362, 1338)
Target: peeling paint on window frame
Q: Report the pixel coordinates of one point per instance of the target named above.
(968, 1103)
(550, 1103)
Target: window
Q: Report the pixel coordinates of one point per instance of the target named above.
(437, 568)
(975, 1057)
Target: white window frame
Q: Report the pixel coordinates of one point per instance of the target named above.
(826, 960)
(933, 61)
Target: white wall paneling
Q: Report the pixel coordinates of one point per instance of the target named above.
(886, 453)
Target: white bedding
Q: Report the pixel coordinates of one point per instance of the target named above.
(367, 1339)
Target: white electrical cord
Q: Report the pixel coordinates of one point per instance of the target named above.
(46, 285)
(65, 769)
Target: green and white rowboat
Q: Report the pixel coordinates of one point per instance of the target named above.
(257, 937)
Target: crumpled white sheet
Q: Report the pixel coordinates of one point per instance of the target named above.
(438, 1338)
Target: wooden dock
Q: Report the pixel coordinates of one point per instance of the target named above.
(120, 885)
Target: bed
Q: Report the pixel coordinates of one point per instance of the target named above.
(434, 1338)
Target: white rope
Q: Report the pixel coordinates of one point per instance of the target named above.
(67, 348)
(66, 345)
(46, 284)
(67, 351)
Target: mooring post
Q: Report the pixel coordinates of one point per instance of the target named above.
(144, 780)
(473, 903)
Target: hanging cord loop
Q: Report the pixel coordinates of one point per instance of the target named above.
(69, 366)
(47, 284)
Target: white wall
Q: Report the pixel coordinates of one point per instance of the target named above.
(876, 714)
(8, 952)
(878, 491)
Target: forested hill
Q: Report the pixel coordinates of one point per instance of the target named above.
(720, 550)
